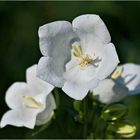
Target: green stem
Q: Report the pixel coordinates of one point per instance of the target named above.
(56, 94)
(97, 120)
(41, 129)
(98, 125)
(62, 129)
(85, 119)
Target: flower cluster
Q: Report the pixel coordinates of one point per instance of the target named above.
(78, 57)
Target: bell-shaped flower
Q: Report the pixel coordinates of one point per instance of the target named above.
(124, 81)
(129, 76)
(30, 103)
(76, 56)
(109, 91)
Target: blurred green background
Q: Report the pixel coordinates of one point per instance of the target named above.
(19, 49)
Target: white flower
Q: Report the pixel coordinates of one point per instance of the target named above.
(109, 91)
(124, 81)
(76, 56)
(130, 77)
(31, 103)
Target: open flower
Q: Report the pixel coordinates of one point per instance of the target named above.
(31, 103)
(76, 56)
(124, 81)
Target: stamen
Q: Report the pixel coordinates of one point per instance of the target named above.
(34, 103)
(117, 73)
(76, 49)
(84, 61)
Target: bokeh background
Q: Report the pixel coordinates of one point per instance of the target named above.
(19, 49)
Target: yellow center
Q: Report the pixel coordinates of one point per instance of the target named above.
(83, 60)
(32, 103)
(117, 73)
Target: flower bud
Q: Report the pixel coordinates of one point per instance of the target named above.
(114, 112)
(79, 117)
(124, 128)
(77, 105)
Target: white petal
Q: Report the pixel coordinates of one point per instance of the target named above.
(55, 37)
(15, 93)
(78, 75)
(19, 118)
(55, 42)
(50, 102)
(37, 85)
(109, 61)
(46, 115)
(93, 26)
(78, 91)
(109, 91)
(50, 71)
(131, 77)
(78, 80)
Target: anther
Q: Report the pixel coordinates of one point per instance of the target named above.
(33, 102)
(117, 73)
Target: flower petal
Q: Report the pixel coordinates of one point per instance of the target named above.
(55, 42)
(78, 91)
(19, 118)
(108, 91)
(109, 61)
(131, 77)
(78, 75)
(50, 71)
(46, 115)
(37, 85)
(55, 37)
(15, 93)
(91, 25)
(78, 81)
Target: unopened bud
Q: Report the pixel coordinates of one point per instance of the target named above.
(124, 128)
(114, 112)
(77, 105)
